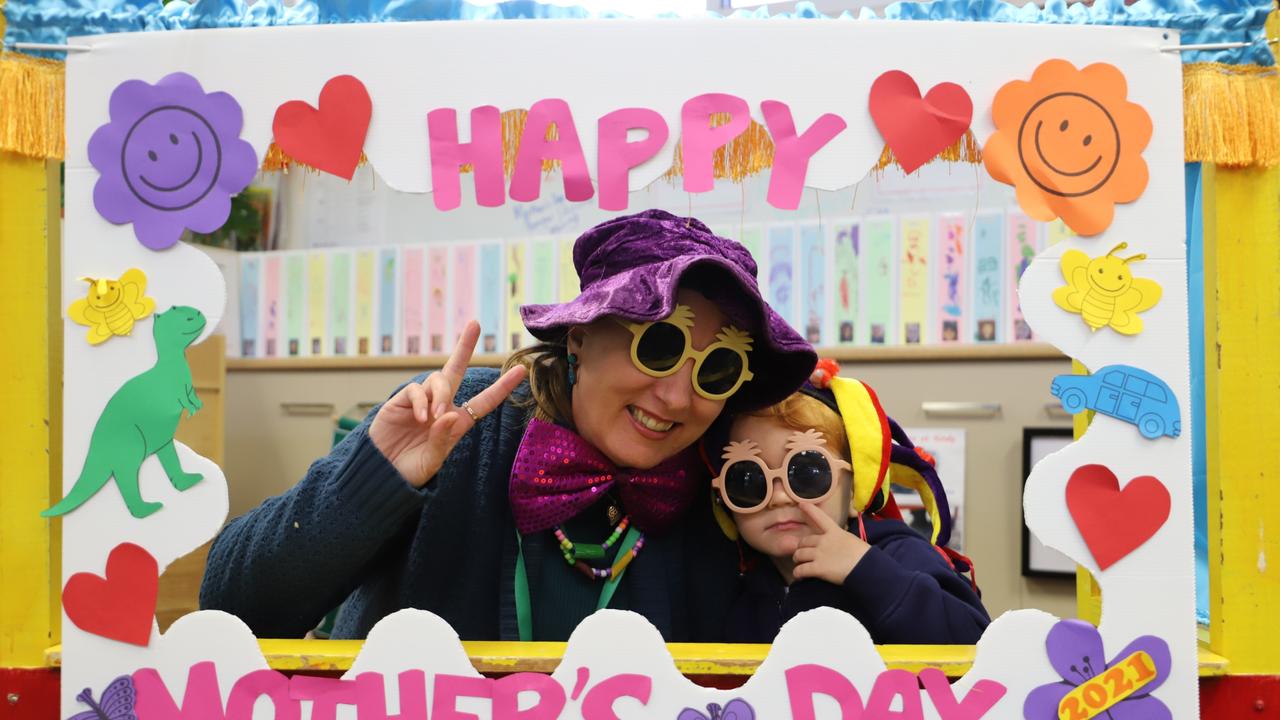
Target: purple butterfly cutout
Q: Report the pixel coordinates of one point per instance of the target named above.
(736, 709)
(117, 702)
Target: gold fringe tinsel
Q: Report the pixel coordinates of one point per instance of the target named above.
(744, 156)
(1231, 115)
(32, 106)
(963, 150)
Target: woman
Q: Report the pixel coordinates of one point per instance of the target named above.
(514, 509)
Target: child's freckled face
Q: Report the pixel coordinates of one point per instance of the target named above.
(777, 529)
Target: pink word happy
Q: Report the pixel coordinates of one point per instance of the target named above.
(617, 154)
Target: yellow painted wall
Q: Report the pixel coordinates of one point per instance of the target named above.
(30, 556)
(1242, 388)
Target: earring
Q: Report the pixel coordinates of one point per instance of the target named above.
(573, 366)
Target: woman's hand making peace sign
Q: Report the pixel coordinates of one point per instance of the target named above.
(418, 427)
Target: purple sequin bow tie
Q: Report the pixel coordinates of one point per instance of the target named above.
(557, 475)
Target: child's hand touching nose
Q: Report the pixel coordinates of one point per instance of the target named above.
(830, 553)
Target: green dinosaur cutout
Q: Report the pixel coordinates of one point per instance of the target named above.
(140, 420)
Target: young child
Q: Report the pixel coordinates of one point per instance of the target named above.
(807, 484)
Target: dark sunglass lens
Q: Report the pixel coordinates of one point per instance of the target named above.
(660, 347)
(809, 475)
(745, 484)
(720, 371)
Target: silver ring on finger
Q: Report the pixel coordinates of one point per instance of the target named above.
(470, 411)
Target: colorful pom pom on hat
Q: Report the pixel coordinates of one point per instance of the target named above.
(879, 450)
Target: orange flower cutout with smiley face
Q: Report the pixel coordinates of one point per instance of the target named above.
(1070, 144)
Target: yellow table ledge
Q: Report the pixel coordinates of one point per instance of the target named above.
(691, 658)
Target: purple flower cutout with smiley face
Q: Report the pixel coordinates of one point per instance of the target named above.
(170, 159)
(1076, 653)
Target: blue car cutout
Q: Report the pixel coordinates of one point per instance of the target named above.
(1125, 393)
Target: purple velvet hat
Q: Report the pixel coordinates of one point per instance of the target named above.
(631, 266)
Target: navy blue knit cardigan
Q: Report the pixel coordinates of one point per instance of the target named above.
(354, 530)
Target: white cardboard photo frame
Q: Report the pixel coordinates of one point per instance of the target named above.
(814, 66)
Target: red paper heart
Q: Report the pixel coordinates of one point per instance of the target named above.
(1115, 522)
(121, 605)
(331, 138)
(916, 128)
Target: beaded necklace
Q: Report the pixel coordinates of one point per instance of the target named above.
(576, 555)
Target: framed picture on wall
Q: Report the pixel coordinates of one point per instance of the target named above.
(1038, 559)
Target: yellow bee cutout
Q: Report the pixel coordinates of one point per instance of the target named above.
(1104, 291)
(112, 306)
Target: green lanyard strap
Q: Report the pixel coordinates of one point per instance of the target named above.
(524, 613)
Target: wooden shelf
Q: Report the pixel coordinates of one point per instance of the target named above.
(883, 353)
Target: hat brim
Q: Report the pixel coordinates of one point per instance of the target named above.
(780, 359)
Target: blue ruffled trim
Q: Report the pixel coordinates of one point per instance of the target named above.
(1200, 21)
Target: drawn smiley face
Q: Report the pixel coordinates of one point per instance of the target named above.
(1069, 144)
(171, 158)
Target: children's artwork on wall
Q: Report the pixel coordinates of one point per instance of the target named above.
(951, 286)
(209, 664)
(917, 128)
(295, 268)
(250, 299)
(913, 281)
(117, 702)
(170, 159)
(112, 307)
(846, 299)
(988, 279)
(782, 276)
(1105, 291)
(273, 313)
(330, 137)
(413, 311)
(813, 284)
(366, 274)
(1125, 393)
(880, 264)
(1023, 245)
(1071, 143)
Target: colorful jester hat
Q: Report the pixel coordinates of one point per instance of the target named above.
(879, 451)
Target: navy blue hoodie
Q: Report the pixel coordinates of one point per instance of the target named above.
(902, 590)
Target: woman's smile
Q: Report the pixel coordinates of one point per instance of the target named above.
(649, 424)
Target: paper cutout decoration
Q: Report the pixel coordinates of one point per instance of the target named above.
(119, 605)
(1113, 521)
(735, 709)
(140, 419)
(117, 701)
(111, 306)
(1104, 291)
(1091, 686)
(1125, 393)
(170, 159)
(916, 129)
(330, 138)
(1070, 144)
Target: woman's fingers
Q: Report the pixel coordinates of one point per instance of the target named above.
(456, 366)
(440, 393)
(419, 401)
